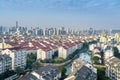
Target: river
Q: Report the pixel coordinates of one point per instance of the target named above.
(84, 56)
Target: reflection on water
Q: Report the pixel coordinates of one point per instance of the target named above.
(84, 56)
(68, 67)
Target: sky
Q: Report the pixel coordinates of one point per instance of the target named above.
(82, 14)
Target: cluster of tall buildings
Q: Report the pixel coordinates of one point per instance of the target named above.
(42, 31)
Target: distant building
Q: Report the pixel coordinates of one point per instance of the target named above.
(117, 37)
(40, 32)
(5, 63)
(113, 68)
(108, 54)
(91, 31)
(3, 30)
(103, 38)
(17, 24)
(4, 44)
(92, 46)
(44, 73)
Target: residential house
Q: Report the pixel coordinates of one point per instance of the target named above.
(44, 73)
(113, 68)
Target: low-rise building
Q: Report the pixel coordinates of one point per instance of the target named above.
(44, 53)
(82, 71)
(87, 72)
(92, 46)
(44, 73)
(113, 68)
(108, 54)
(68, 48)
(77, 64)
(103, 38)
(63, 51)
(117, 37)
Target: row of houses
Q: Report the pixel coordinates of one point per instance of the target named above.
(98, 48)
(47, 48)
(13, 52)
(15, 55)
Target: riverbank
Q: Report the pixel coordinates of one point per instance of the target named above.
(70, 58)
(85, 55)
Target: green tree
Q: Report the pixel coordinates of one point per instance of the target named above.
(63, 71)
(19, 70)
(95, 59)
(101, 74)
(31, 58)
(59, 59)
(116, 52)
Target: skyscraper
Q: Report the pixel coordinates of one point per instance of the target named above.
(16, 24)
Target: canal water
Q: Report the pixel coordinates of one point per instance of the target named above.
(84, 56)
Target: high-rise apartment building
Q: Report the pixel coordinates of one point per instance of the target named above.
(5, 63)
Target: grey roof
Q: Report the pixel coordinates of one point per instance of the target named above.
(85, 74)
(28, 77)
(47, 73)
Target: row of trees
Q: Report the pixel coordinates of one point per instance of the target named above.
(31, 58)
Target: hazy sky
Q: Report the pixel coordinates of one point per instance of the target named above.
(99, 14)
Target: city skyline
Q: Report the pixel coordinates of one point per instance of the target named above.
(56, 13)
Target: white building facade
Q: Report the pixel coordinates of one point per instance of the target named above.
(5, 63)
(18, 57)
(113, 68)
(44, 54)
